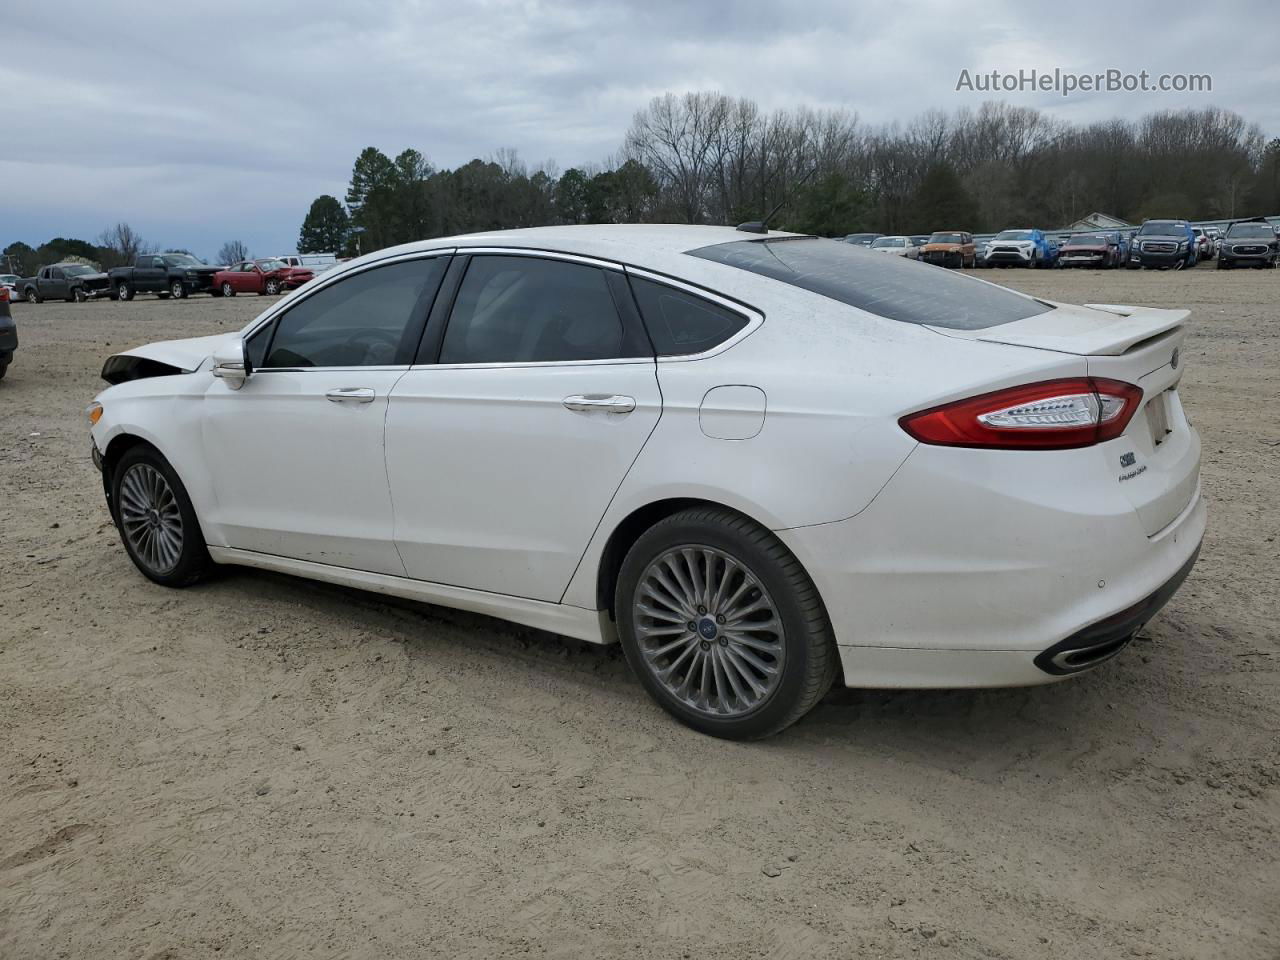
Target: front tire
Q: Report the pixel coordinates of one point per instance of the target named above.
(272, 288)
(156, 520)
(178, 290)
(722, 625)
(78, 295)
(227, 289)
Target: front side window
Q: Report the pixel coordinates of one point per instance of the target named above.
(680, 323)
(371, 318)
(513, 309)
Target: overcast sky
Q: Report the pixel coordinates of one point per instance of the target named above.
(200, 123)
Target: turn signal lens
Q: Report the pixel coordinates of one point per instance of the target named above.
(94, 410)
(1052, 415)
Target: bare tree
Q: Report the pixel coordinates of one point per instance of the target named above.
(233, 251)
(124, 243)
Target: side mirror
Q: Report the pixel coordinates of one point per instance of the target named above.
(231, 364)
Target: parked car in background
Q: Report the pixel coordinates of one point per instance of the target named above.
(266, 277)
(1163, 245)
(950, 248)
(1204, 243)
(11, 282)
(315, 262)
(1249, 243)
(901, 246)
(175, 275)
(862, 239)
(980, 247)
(1101, 251)
(8, 333)
(1022, 248)
(348, 434)
(65, 281)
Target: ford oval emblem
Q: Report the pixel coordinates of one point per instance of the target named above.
(1173, 362)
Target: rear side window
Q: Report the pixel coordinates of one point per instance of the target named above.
(680, 323)
(892, 287)
(513, 309)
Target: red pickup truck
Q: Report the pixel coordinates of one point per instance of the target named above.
(263, 277)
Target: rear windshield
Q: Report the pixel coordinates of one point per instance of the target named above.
(892, 287)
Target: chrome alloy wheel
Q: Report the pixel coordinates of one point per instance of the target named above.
(709, 631)
(150, 517)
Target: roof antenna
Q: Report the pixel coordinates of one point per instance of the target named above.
(762, 226)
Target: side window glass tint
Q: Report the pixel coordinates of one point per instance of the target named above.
(681, 323)
(528, 310)
(257, 346)
(368, 319)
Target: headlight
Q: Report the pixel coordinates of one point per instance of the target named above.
(94, 412)
(1182, 245)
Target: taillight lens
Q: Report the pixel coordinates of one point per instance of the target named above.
(1052, 415)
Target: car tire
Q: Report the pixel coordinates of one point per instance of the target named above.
(227, 289)
(752, 681)
(1222, 264)
(78, 295)
(32, 296)
(4, 368)
(272, 288)
(156, 520)
(124, 291)
(178, 290)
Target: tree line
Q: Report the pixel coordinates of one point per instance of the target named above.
(705, 157)
(709, 158)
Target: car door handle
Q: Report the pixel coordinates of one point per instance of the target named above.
(608, 403)
(351, 395)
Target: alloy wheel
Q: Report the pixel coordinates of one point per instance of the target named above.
(708, 631)
(150, 517)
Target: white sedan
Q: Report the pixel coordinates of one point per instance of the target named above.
(899, 246)
(759, 460)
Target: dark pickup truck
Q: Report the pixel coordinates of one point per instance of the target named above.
(64, 281)
(168, 274)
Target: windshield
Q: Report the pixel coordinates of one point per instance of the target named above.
(272, 264)
(181, 260)
(1089, 240)
(9, 278)
(888, 242)
(945, 238)
(891, 287)
(1251, 231)
(1014, 235)
(1162, 228)
(77, 270)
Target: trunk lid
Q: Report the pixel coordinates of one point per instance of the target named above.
(1156, 460)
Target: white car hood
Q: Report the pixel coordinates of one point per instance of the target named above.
(186, 355)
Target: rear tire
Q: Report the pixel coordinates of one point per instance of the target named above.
(227, 289)
(156, 520)
(760, 653)
(124, 291)
(32, 295)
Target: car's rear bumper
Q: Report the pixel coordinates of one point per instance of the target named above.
(953, 577)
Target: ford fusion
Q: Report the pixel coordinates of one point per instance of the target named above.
(758, 460)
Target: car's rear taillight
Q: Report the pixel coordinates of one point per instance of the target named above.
(1052, 415)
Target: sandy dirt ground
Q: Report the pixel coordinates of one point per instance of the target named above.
(266, 767)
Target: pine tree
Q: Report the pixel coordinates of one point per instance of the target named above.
(325, 228)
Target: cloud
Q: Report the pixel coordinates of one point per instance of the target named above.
(217, 122)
